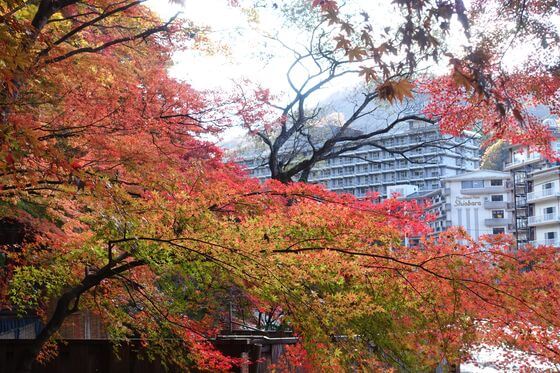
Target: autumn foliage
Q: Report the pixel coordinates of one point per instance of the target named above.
(128, 212)
(506, 72)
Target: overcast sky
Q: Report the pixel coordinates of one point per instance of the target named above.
(239, 44)
(243, 50)
(239, 48)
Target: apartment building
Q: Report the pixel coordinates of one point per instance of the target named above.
(479, 201)
(536, 192)
(434, 205)
(431, 156)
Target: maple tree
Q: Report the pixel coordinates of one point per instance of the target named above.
(300, 130)
(491, 79)
(118, 206)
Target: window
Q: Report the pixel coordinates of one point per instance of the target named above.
(548, 210)
(500, 230)
(470, 184)
(496, 182)
(550, 235)
(497, 198)
(547, 186)
(497, 214)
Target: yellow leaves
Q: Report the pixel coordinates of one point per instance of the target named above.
(251, 14)
(395, 90)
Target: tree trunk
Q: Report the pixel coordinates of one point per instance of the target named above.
(62, 310)
(68, 304)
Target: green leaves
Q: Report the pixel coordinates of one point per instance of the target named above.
(31, 287)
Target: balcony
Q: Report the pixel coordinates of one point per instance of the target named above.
(543, 194)
(497, 222)
(531, 158)
(548, 242)
(544, 219)
(484, 190)
(495, 205)
(521, 224)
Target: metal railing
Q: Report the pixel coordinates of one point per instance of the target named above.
(552, 217)
(547, 242)
(529, 158)
(543, 193)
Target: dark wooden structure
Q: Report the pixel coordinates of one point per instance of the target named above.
(262, 348)
(98, 356)
(82, 356)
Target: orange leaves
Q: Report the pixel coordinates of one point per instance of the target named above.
(346, 27)
(368, 73)
(395, 90)
(342, 42)
(9, 159)
(334, 264)
(326, 5)
(502, 110)
(462, 80)
(356, 54)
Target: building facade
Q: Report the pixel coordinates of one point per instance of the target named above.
(536, 194)
(430, 157)
(479, 201)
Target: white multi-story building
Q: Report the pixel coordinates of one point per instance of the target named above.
(544, 206)
(430, 157)
(536, 194)
(480, 202)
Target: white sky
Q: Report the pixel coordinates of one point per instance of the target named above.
(248, 54)
(243, 52)
(240, 57)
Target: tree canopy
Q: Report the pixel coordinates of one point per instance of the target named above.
(118, 203)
